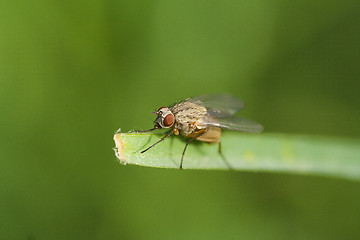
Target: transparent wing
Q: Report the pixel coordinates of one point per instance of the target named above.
(220, 106)
(235, 123)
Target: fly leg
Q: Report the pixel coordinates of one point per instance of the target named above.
(162, 139)
(223, 158)
(187, 142)
(142, 131)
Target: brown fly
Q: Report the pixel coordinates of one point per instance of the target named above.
(202, 118)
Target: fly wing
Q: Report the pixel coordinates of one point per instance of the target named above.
(235, 123)
(220, 111)
(220, 106)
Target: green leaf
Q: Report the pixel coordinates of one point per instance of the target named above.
(293, 154)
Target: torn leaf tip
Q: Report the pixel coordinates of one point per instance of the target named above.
(119, 148)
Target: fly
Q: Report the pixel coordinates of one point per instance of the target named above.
(202, 118)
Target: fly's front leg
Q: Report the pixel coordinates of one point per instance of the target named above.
(143, 131)
(162, 139)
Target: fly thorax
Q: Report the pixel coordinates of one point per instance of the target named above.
(188, 117)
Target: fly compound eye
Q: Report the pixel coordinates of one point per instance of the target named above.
(168, 120)
(165, 118)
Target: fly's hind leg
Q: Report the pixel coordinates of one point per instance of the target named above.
(223, 158)
(187, 143)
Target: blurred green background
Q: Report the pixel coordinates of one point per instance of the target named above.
(73, 72)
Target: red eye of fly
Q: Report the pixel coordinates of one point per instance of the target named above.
(169, 120)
